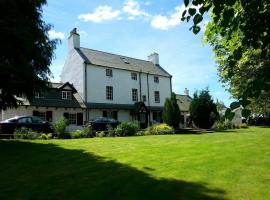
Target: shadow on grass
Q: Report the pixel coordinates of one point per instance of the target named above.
(46, 171)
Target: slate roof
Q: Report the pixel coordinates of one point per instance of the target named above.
(183, 102)
(53, 98)
(105, 59)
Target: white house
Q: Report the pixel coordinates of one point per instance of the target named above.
(117, 86)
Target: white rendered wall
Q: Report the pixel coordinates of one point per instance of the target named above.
(123, 85)
(73, 71)
(56, 113)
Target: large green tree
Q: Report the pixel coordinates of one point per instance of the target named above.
(239, 31)
(26, 50)
(203, 110)
(171, 111)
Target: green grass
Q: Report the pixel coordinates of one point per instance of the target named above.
(225, 165)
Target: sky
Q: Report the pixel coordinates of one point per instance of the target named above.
(137, 28)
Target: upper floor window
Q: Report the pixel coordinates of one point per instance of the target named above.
(156, 79)
(39, 94)
(109, 92)
(157, 97)
(144, 98)
(134, 95)
(134, 76)
(66, 94)
(109, 72)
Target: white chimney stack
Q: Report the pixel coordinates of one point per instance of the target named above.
(73, 40)
(154, 58)
(186, 92)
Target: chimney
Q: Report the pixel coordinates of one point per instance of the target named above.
(73, 40)
(154, 58)
(186, 92)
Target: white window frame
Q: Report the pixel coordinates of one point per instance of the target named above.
(134, 76)
(72, 118)
(109, 93)
(109, 72)
(66, 94)
(134, 94)
(156, 79)
(157, 96)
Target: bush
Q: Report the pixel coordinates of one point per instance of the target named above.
(159, 129)
(26, 133)
(127, 129)
(223, 125)
(111, 131)
(100, 134)
(44, 136)
(87, 131)
(60, 128)
(243, 125)
(80, 133)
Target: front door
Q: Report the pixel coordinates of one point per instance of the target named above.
(143, 119)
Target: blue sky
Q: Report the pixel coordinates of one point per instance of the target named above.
(137, 28)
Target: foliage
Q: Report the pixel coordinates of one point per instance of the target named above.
(26, 50)
(203, 110)
(223, 125)
(60, 128)
(26, 133)
(87, 131)
(243, 125)
(171, 112)
(127, 129)
(261, 105)
(111, 131)
(239, 34)
(159, 129)
(101, 134)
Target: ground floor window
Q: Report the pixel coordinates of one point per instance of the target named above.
(44, 115)
(110, 114)
(157, 116)
(74, 118)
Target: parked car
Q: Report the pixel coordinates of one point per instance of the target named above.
(32, 122)
(101, 123)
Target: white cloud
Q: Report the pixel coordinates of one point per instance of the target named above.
(101, 13)
(165, 22)
(133, 10)
(56, 35)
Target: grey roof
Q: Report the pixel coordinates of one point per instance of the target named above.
(100, 58)
(183, 102)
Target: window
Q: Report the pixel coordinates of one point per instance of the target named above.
(109, 92)
(109, 72)
(72, 118)
(157, 98)
(45, 116)
(134, 76)
(157, 116)
(110, 114)
(124, 60)
(105, 113)
(37, 120)
(134, 95)
(42, 115)
(25, 120)
(39, 94)
(144, 98)
(156, 79)
(66, 94)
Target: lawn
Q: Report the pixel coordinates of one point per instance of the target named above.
(225, 165)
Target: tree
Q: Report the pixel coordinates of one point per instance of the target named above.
(176, 111)
(203, 111)
(26, 50)
(171, 111)
(239, 34)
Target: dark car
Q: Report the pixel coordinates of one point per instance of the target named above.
(101, 123)
(32, 122)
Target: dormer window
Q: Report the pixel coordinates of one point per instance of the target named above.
(156, 79)
(66, 94)
(109, 72)
(125, 60)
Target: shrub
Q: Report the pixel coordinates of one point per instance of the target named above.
(26, 133)
(243, 125)
(223, 125)
(60, 128)
(44, 136)
(127, 129)
(100, 134)
(160, 129)
(111, 131)
(87, 131)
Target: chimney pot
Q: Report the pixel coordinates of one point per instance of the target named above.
(154, 58)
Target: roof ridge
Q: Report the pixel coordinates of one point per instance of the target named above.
(116, 54)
